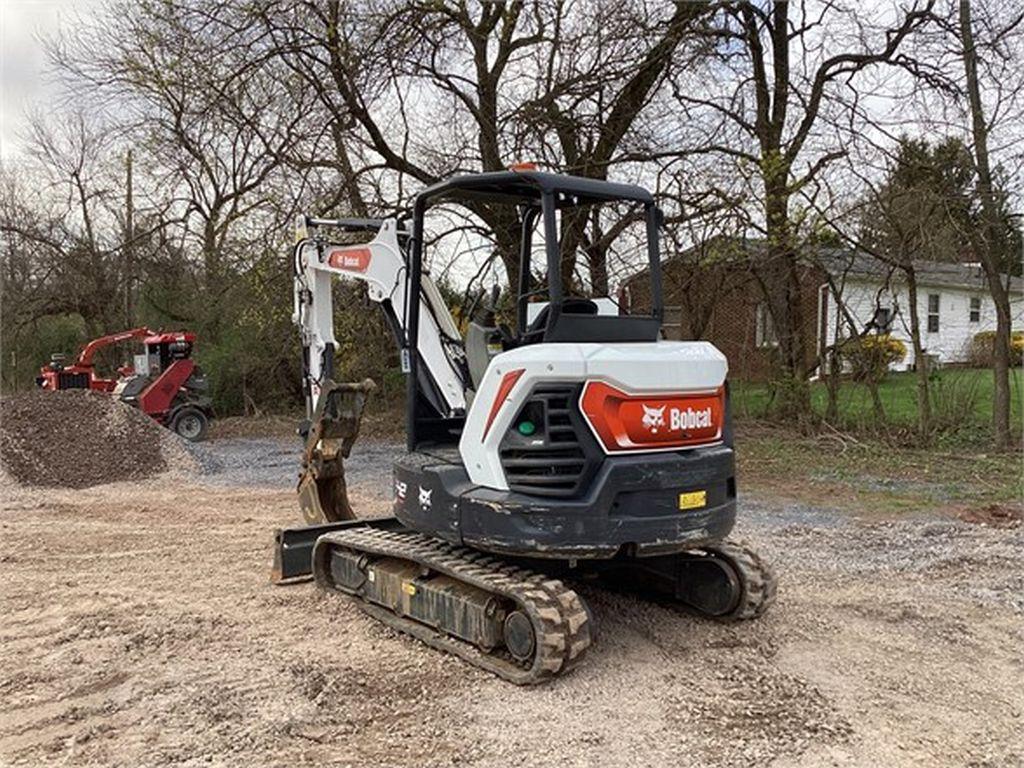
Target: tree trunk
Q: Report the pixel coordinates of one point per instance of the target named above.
(924, 410)
(876, 401)
(355, 197)
(129, 245)
(832, 384)
(991, 239)
(781, 278)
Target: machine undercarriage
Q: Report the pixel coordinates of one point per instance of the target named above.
(515, 615)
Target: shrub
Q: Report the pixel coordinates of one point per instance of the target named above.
(982, 348)
(870, 356)
(956, 402)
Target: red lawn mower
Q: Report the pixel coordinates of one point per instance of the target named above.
(164, 382)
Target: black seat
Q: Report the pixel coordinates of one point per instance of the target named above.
(570, 306)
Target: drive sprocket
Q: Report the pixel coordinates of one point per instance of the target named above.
(756, 580)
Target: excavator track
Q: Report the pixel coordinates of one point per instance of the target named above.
(757, 582)
(522, 626)
(724, 581)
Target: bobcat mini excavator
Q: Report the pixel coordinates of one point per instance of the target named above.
(581, 445)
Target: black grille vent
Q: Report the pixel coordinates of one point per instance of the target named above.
(72, 380)
(554, 461)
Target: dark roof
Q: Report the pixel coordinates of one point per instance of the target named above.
(528, 186)
(840, 261)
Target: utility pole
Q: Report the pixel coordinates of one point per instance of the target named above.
(129, 244)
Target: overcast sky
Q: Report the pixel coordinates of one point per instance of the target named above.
(22, 59)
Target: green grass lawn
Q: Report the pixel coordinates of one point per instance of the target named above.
(961, 397)
(867, 477)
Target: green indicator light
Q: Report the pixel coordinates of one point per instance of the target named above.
(526, 428)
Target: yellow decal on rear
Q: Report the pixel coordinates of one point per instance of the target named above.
(409, 588)
(693, 499)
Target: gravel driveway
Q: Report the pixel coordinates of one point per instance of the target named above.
(140, 629)
(273, 462)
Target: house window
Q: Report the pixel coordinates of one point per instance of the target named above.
(975, 315)
(933, 313)
(882, 321)
(764, 332)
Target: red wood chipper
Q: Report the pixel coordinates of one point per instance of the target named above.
(163, 382)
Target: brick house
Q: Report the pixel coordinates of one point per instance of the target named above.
(711, 293)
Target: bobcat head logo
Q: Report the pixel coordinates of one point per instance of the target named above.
(654, 418)
(425, 495)
(400, 489)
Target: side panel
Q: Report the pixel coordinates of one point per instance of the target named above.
(659, 367)
(158, 396)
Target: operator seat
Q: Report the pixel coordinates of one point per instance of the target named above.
(571, 306)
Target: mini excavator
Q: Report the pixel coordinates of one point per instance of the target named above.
(580, 445)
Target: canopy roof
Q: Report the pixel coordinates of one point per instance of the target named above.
(528, 186)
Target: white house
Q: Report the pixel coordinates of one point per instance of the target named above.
(953, 304)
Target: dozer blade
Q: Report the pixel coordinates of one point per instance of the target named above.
(524, 627)
(323, 494)
(293, 547)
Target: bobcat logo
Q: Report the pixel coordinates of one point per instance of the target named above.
(400, 489)
(654, 418)
(425, 495)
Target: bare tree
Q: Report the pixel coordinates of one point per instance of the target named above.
(216, 117)
(991, 244)
(425, 90)
(781, 68)
(68, 232)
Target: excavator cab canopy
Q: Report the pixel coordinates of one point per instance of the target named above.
(565, 318)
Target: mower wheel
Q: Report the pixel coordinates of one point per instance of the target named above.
(191, 424)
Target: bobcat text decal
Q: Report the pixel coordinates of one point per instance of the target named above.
(350, 259)
(626, 422)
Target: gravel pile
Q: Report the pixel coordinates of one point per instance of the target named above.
(78, 438)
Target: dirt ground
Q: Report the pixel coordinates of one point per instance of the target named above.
(139, 628)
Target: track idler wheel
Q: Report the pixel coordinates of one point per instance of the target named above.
(723, 581)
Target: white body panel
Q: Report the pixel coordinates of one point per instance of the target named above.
(655, 367)
(385, 277)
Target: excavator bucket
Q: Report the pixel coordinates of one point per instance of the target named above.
(323, 494)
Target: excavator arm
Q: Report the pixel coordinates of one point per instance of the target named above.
(381, 265)
(334, 410)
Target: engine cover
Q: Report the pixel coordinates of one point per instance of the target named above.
(688, 376)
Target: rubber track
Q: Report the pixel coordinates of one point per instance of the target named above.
(560, 620)
(756, 578)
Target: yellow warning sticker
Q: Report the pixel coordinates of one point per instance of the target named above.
(409, 588)
(693, 500)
